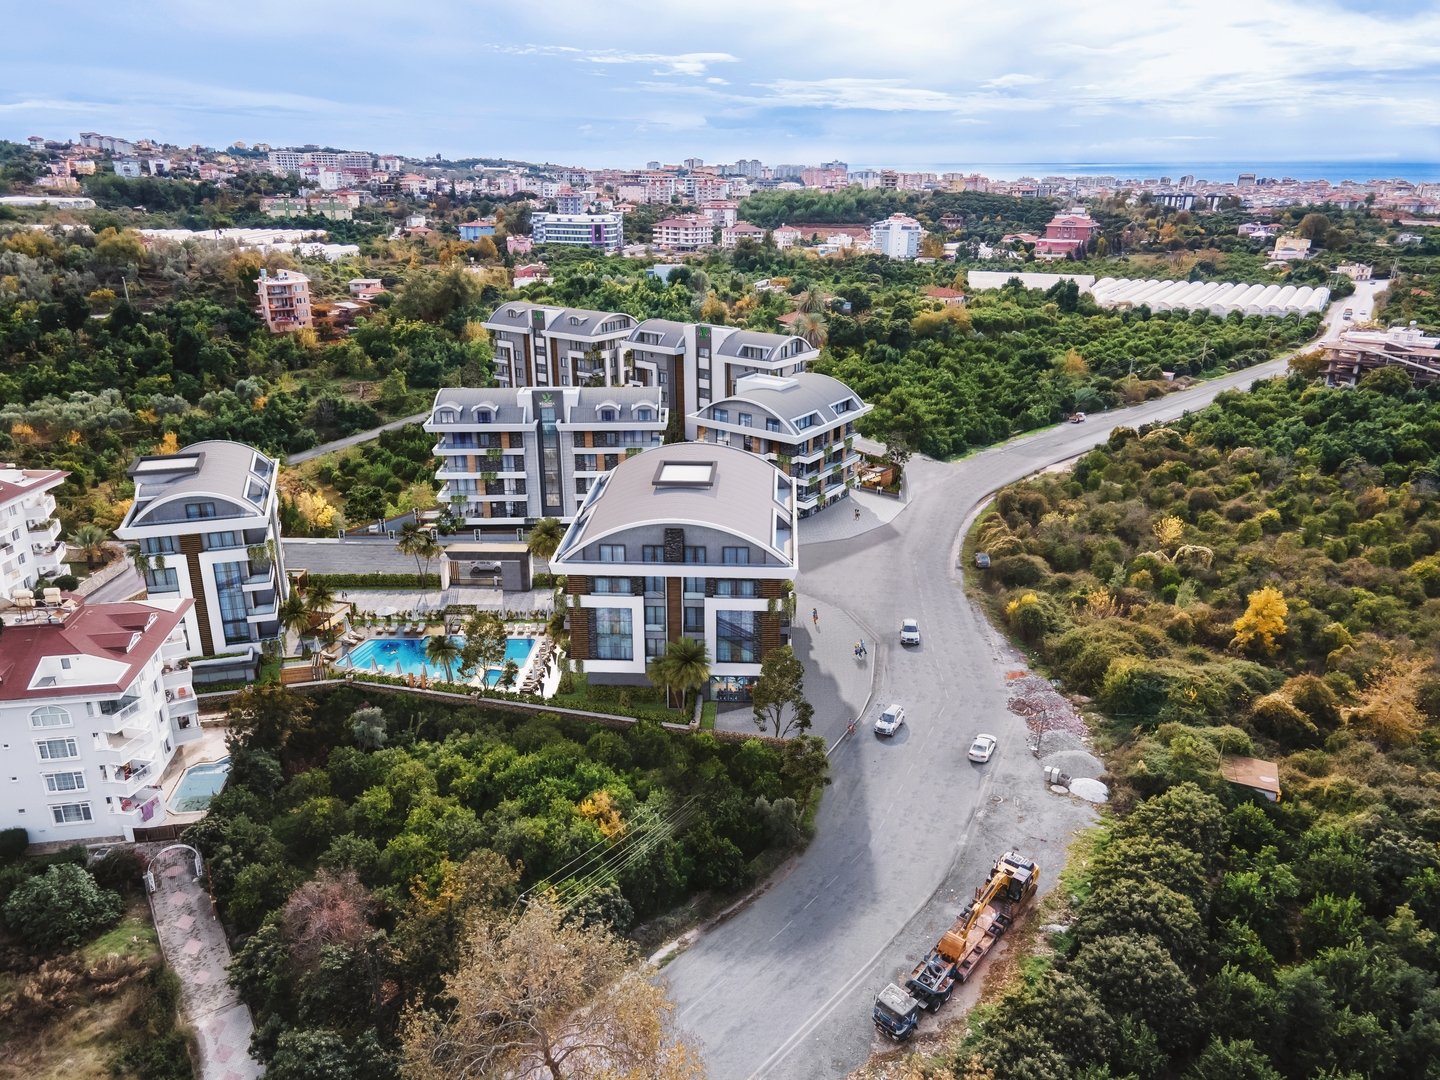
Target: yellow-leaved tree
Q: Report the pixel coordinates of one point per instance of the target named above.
(1389, 705)
(1263, 623)
(314, 509)
(170, 444)
(601, 809)
(1168, 530)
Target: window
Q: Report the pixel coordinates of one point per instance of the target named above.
(585, 463)
(613, 637)
(654, 618)
(73, 813)
(737, 637)
(735, 556)
(612, 552)
(771, 424)
(607, 416)
(615, 586)
(652, 553)
(222, 540)
(722, 416)
(805, 421)
(57, 749)
(694, 554)
(743, 587)
(162, 581)
(655, 646)
(693, 586)
(642, 413)
(746, 420)
(195, 511)
(49, 716)
(695, 620)
(484, 416)
(64, 781)
(655, 585)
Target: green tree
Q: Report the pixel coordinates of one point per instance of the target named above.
(307, 1053)
(421, 545)
(60, 908)
(1227, 1059)
(367, 727)
(485, 643)
(295, 615)
(545, 537)
(684, 666)
(441, 649)
(91, 541)
(779, 697)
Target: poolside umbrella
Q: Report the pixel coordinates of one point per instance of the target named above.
(398, 671)
(388, 609)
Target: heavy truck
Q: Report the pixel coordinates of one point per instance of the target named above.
(1009, 887)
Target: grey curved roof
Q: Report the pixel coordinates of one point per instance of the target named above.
(738, 339)
(557, 320)
(672, 334)
(516, 405)
(228, 470)
(790, 397)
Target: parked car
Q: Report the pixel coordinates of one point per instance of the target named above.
(890, 721)
(1077, 418)
(982, 560)
(983, 748)
(1348, 314)
(910, 632)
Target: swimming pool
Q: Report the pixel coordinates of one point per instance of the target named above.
(406, 656)
(198, 785)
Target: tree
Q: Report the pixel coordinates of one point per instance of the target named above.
(305, 1053)
(812, 327)
(509, 674)
(485, 642)
(779, 695)
(1263, 622)
(264, 715)
(1225, 1059)
(422, 546)
(539, 996)
(60, 908)
(90, 541)
(684, 666)
(441, 649)
(367, 727)
(295, 615)
(545, 537)
(365, 502)
(332, 909)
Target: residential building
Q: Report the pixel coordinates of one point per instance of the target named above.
(208, 518)
(474, 230)
(532, 274)
(541, 345)
(569, 202)
(1067, 236)
(1256, 230)
(113, 144)
(518, 245)
(512, 456)
(730, 235)
(92, 707)
(1356, 271)
(1356, 353)
(804, 423)
(785, 237)
(603, 231)
(721, 212)
(366, 288)
(897, 237)
(30, 544)
(695, 363)
(1291, 248)
(688, 540)
(284, 300)
(292, 206)
(946, 296)
(686, 233)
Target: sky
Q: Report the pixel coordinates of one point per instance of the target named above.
(619, 83)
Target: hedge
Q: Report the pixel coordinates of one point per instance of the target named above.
(376, 581)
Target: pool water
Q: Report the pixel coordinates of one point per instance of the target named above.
(406, 656)
(198, 785)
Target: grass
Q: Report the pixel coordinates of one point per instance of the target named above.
(707, 716)
(270, 669)
(133, 935)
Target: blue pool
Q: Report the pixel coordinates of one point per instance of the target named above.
(406, 656)
(198, 785)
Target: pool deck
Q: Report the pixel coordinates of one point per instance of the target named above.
(359, 635)
(209, 747)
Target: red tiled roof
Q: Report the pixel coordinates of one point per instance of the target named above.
(38, 478)
(100, 630)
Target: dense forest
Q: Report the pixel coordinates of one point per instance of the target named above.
(355, 840)
(1261, 578)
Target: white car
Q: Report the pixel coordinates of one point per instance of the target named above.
(890, 721)
(983, 748)
(910, 632)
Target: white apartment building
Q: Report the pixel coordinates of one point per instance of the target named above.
(512, 456)
(208, 518)
(540, 345)
(603, 231)
(284, 300)
(686, 233)
(897, 237)
(92, 706)
(804, 423)
(688, 540)
(30, 544)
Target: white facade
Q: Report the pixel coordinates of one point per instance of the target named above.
(684, 233)
(604, 231)
(92, 707)
(208, 519)
(30, 544)
(897, 237)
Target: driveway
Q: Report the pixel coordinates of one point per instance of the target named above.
(909, 827)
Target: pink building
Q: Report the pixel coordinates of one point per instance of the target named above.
(284, 300)
(1067, 236)
(518, 245)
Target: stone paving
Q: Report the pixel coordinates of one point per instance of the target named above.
(194, 945)
(838, 521)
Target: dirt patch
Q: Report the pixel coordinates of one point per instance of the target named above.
(1043, 707)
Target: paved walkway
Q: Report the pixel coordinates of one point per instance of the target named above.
(356, 439)
(838, 521)
(395, 601)
(194, 946)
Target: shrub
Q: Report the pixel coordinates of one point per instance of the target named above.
(1014, 570)
(66, 582)
(13, 843)
(61, 908)
(377, 581)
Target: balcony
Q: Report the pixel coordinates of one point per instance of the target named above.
(127, 708)
(119, 750)
(262, 612)
(130, 777)
(43, 530)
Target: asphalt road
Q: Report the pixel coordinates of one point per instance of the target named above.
(356, 439)
(909, 827)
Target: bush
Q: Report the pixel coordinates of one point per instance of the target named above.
(66, 582)
(1016, 570)
(377, 581)
(61, 908)
(13, 843)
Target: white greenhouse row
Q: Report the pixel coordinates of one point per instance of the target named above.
(1219, 298)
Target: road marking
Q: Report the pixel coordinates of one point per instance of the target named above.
(781, 930)
(714, 986)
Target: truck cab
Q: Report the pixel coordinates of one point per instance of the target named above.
(896, 1013)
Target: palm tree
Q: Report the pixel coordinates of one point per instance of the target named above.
(684, 667)
(441, 649)
(90, 540)
(812, 327)
(811, 301)
(294, 615)
(545, 537)
(422, 545)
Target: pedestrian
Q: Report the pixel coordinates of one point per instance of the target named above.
(857, 650)
(815, 616)
(857, 513)
(863, 651)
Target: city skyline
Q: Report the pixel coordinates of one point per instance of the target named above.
(902, 85)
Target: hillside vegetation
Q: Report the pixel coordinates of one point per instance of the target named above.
(1262, 578)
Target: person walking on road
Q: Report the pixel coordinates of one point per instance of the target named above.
(815, 616)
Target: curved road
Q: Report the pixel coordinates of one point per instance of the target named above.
(909, 827)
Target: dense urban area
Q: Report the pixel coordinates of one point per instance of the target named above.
(357, 727)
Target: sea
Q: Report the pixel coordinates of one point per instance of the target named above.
(1417, 172)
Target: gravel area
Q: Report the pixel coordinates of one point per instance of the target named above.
(1053, 742)
(1044, 708)
(1075, 763)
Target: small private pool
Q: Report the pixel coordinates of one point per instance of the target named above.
(198, 785)
(406, 656)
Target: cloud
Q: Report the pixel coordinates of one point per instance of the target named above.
(1015, 78)
(690, 63)
(875, 94)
